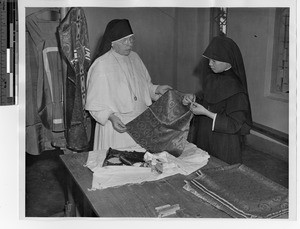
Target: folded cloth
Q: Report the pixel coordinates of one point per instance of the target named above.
(122, 157)
(96, 158)
(240, 192)
(191, 160)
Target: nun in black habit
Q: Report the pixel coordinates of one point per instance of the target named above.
(222, 111)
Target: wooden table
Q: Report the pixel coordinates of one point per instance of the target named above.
(134, 200)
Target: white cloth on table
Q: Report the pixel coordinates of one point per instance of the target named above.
(191, 160)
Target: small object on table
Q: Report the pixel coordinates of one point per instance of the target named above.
(167, 210)
(118, 157)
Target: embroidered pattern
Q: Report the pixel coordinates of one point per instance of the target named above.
(241, 192)
(163, 126)
(73, 34)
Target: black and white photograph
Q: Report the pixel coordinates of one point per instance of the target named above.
(176, 112)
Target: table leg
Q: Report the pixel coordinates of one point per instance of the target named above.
(70, 205)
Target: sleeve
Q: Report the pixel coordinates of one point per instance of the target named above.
(97, 109)
(105, 91)
(233, 117)
(101, 116)
(152, 89)
(214, 121)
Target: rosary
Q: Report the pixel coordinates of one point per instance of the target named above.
(131, 73)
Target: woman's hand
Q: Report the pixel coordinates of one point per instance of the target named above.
(188, 99)
(118, 125)
(198, 109)
(162, 89)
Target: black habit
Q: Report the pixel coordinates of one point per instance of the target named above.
(226, 94)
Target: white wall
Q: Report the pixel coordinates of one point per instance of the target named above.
(154, 31)
(192, 39)
(250, 28)
(170, 41)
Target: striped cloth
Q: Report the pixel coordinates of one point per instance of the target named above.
(240, 192)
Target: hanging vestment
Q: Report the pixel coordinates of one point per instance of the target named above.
(74, 44)
(44, 85)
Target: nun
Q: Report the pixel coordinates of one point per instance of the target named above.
(119, 87)
(222, 111)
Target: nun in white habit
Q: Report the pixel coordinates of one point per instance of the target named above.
(119, 88)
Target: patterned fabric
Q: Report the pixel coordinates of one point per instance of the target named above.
(163, 126)
(241, 192)
(73, 35)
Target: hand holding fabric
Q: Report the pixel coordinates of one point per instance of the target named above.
(118, 125)
(198, 109)
(162, 89)
(188, 99)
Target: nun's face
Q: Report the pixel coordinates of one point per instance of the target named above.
(218, 66)
(123, 46)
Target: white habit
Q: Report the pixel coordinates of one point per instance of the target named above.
(121, 85)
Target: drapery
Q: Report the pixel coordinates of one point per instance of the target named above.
(163, 126)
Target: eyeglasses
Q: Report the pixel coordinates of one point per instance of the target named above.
(127, 41)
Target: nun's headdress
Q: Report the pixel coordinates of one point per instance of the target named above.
(115, 30)
(224, 49)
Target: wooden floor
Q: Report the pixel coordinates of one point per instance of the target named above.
(45, 179)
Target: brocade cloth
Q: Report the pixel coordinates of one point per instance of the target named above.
(163, 126)
(74, 44)
(240, 192)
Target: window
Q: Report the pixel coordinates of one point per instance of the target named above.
(218, 22)
(277, 65)
(280, 80)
